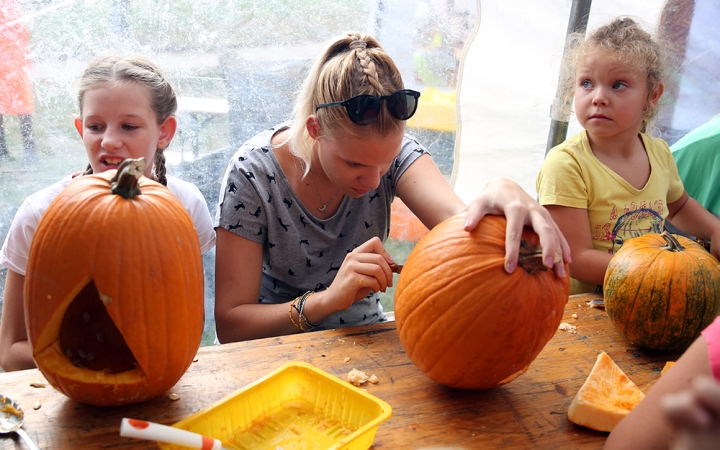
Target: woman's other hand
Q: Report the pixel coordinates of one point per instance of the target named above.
(365, 269)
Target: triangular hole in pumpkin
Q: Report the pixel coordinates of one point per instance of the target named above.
(89, 337)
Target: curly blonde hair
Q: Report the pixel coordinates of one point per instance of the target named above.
(633, 46)
(342, 72)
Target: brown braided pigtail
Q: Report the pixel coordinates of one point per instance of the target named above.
(159, 168)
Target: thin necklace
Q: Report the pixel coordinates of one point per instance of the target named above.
(324, 205)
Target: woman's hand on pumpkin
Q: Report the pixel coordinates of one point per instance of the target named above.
(365, 269)
(505, 197)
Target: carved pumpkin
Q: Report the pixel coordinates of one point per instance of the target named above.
(662, 290)
(462, 319)
(114, 289)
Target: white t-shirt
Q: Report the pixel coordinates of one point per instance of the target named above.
(16, 248)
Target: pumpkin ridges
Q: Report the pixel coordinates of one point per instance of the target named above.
(122, 212)
(493, 346)
(694, 321)
(135, 321)
(682, 313)
(676, 312)
(191, 340)
(671, 312)
(667, 311)
(701, 290)
(169, 264)
(495, 325)
(436, 333)
(628, 313)
(165, 311)
(646, 307)
(432, 281)
(51, 239)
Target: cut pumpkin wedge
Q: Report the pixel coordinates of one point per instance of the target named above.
(607, 396)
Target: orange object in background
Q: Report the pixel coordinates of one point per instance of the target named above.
(404, 225)
(15, 89)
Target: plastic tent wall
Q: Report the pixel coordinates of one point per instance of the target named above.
(509, 77)
(488, 71)
(510, 73)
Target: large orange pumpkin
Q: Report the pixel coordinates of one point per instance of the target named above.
(114, 289)
(462, 319)
(662, 290)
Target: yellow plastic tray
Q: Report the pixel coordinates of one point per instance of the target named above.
(296, 406)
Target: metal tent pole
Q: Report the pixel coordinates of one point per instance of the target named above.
(579, 13)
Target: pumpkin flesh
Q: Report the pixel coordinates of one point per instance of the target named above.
(606, 397)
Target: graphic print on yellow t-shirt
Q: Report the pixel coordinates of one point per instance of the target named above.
(637, 220)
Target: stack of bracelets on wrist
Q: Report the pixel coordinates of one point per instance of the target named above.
(298, 305)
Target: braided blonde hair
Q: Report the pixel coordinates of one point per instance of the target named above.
(353, 64)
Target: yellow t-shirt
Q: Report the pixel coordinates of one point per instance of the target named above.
(572, 176)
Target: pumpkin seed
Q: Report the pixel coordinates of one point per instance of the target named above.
(78, 363)
(86, 317)
(37, 405)
(173, 396)
(68, 352)
(99, 336)
(37, 384)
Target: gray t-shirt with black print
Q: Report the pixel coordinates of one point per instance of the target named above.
(301, 252)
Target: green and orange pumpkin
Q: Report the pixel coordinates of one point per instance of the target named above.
(662, 290)
(114, 289)
(462, 319)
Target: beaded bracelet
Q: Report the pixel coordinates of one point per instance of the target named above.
(304, 324)
(304, 297)
(299, 323)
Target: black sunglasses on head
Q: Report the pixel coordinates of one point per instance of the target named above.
(364, 109)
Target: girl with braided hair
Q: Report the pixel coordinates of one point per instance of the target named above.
(127, 110)
(304, 206)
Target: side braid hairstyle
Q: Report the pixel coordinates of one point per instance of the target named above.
(342, 72)
(134, 69)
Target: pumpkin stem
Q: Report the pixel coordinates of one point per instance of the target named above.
(530, 258)
(125, 181)
(672, 244)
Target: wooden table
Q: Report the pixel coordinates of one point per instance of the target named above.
(530, 412)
